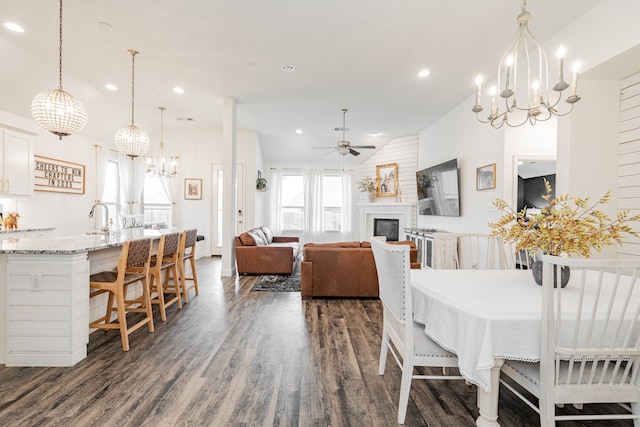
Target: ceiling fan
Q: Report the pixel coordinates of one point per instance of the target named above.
(344, 147)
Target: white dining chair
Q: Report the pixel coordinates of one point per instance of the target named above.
(478, 251)
(590, 341)
(400, 333)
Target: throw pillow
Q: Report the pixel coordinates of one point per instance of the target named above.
(258, 236)
(267, 233)
(247, 239)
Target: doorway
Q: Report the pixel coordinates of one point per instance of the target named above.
(529, 176)
(217, 208)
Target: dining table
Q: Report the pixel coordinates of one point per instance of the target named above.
(485, 317)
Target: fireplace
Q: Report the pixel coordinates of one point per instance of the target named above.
(389, 228)
(402, 212)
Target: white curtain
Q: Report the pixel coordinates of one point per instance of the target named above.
(275, 222)
(102, 160)
(314, 210)
(132, 174)
(138, 174)
(167, 188)
(348, 202)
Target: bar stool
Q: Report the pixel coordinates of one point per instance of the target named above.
(166, 259)
(133, 266)
(187, 253)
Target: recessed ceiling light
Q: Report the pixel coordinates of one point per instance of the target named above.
(298, 131)
(105, 25)
(424, 73)
(178, 89)
(13, 27)
(288, 68)
(375, 134)
(111, 86)
(185, 119)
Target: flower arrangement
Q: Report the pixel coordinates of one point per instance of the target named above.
(367, 185)
(567, 225)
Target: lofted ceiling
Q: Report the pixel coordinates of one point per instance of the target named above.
(360, 54)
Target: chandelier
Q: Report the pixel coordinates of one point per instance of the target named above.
(58, 111)
(157, 164)
(132, 140)
(535, 102)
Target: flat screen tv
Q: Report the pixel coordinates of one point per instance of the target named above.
(438, 190)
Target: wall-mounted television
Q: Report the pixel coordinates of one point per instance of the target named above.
(438, 190)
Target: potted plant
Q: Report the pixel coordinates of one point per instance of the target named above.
(567, 225)
(261, 184)
(368, 185)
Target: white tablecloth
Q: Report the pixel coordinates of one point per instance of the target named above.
(480, 315)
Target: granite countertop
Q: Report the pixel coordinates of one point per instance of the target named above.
(22, 230)
(69, 245)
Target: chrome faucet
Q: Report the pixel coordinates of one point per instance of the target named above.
(104, 229)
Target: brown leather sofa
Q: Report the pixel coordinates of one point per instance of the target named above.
(258, 251)
(344, 269)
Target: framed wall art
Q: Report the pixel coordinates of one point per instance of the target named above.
(486, 177)
(387, 180)
(193, 188)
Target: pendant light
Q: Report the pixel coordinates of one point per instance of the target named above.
(160, 164)
(132, 140)
(58, 111)
(534, 100)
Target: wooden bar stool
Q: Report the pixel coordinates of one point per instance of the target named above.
(166, 259)
(133, 266)
(187, 253)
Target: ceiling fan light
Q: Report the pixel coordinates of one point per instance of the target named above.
(132, 141)
(59, 112)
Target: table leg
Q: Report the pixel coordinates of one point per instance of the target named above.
(488, 402)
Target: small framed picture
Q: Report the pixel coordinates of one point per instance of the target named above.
(387, 180)
(486, 177)
(193, 188)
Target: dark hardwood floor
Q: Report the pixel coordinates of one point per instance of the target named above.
(232, 357)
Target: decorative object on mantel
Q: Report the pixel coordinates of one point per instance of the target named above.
(58, 176)
(157, 164)
(387, 180)
(131, 140)
(368, 185)
(532, 103)
(486, 177)
(58, 111)
(567, 225)
(193, 188)
(261, 183)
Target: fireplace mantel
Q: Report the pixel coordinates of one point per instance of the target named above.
(403, 211)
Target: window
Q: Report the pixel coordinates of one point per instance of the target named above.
(332, 202)
(292, 202)
(111, 194)
(157, 205)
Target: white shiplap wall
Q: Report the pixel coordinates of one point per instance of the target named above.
(629, 157)
(404, 152)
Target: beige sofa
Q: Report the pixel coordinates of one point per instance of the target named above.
(258, 251)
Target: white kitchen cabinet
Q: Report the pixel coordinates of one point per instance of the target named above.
(16, 161)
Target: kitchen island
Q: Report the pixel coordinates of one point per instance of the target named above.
(44, 295)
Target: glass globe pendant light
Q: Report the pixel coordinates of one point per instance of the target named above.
(132, 140)
(58, 111)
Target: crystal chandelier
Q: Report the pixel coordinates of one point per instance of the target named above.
(58, 111)
(536, 102)
(132, 140)
(160, 164)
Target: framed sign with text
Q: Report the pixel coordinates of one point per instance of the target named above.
(58, 176)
